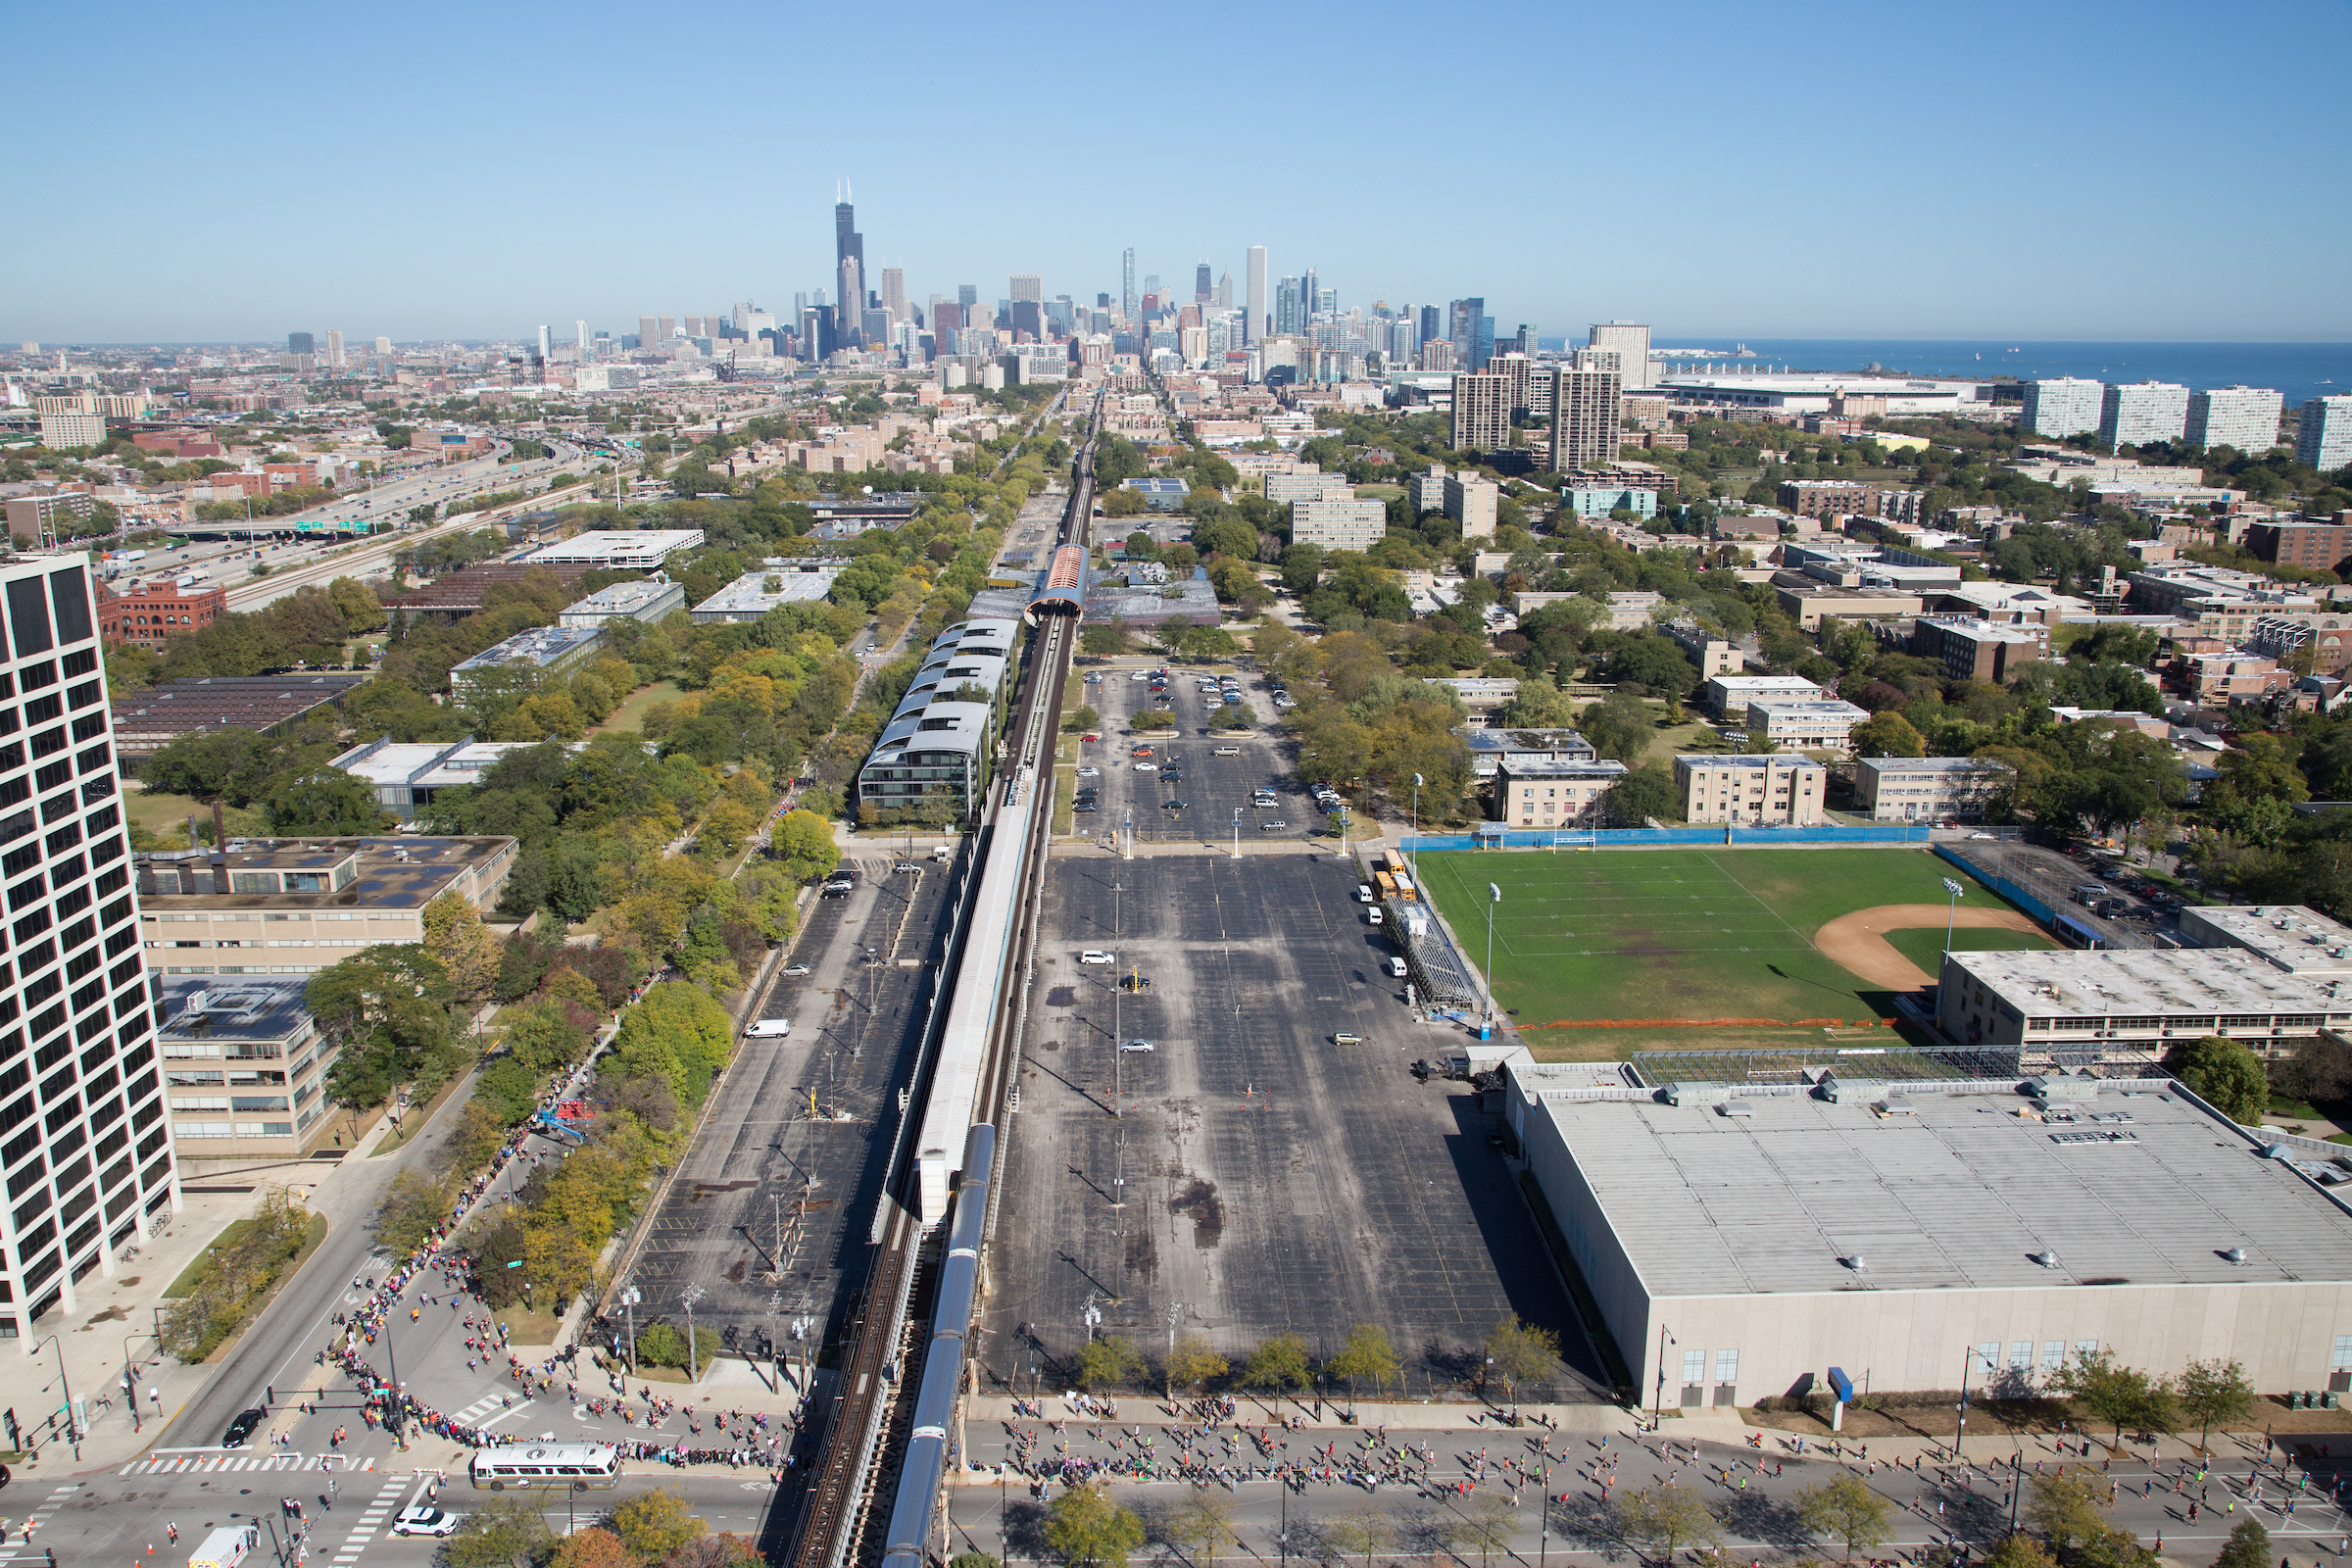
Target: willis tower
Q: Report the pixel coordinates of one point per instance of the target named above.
(848, 256)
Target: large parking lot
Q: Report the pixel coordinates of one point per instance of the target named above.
(1213, 788)
(1261, 1179)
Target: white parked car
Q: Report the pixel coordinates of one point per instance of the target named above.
(1098, 956)
(422, 1521)
(1146, 767)
(1136, 1045)
(1089, 771)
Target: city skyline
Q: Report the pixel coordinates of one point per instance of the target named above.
(1737, 249)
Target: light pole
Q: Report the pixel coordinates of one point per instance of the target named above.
(72, 1423)
(1952, 916)
(692, 1295)
(1657, 1408)
(1494, 896)
(1416, 856)
(629, 1298)
(1237, 832)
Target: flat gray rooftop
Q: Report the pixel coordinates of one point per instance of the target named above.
(2057, 983)
(1955, 1195)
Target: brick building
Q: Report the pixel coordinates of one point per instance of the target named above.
(154, 609)
(1977, 650)
(2317, 544)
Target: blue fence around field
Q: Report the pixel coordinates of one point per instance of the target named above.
(2007, 889)
(1628, 838)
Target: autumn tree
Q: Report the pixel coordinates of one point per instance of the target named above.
(655, 1525)
(1846, 1507)
(1520, 1353)
(1086, 1529)
(457, 939)
(1192, 1362)
(1367, 1357)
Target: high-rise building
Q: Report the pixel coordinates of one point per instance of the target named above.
(2140, 412)
(543, 345)
(1028, 286)
(2062, 406)
(848, 268)
(1482, 413)
(967, 295)
(383, 345)
(649, 331)
(1631, 340)
(87, 1150)
(1028, 305)
(1127, 300)
(1224, 296)
(1308, 285)
(1202, 285)
(1432, 322)
(894, 294)
(1290, 315)
(334, 351)
(2242, 417)
(1525, 341)
(300, 343)
(1473, 332)
(1518, 374)
(1255, 322)
(1587, 407)
(2323, 432)
(579, 332)
(665, 328)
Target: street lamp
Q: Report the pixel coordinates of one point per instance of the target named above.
(1952, 916)
(629, 1298)
(1494, 896)
(1657, 1410)
(693, 1295)
(72, 1422)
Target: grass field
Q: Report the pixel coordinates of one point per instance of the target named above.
(1924, 946)
(1634, 935)
(630, 714)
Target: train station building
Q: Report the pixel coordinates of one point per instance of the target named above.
(1742, 1240)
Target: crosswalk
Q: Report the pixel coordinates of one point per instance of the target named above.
(372, 1519)
(216, 1462)
(26, 1528)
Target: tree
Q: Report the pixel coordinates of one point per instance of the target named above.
(2064, 1506)
(1888, 734)
(455, 936)
(1537, 704)
(1192, 1362)
(1364, 1531)
(974, 1559)
(1085, 1527)
(1665, 1519)
(1846, 1507)
(804, 842)
(1648, 791)
(326, 802)
(412, 1206)
(2213, 1393)
(2248, 1546)
(1277, 1363)
(592, 1547)
(1367, 1357)
(500, 1533)
(655, 1525)
(1486, 1524)
(2118, 1394)
(1083, 718)
(2226, 1075)
(1618, 726)
(2022, 1550)
(1520, 1353)
(1109, 1363)
(1105, 639)
(1203, 1524)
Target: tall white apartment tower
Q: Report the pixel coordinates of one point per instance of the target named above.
(1631, 340)
(2324, 433)
(1256, 321)
(334, 349)
(2242, 417)
(2142, 411)
(543, 343)
(580, 336)
(1127, 299)
(1587, 407)
(83, 1140)
(2063, 405)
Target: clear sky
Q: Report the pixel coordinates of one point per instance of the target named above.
(2070, 171)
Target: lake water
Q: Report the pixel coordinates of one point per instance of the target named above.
(2298, 370)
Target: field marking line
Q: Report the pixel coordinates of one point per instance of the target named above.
(1766, 907)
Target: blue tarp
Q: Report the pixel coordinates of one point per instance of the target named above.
(1652, 837)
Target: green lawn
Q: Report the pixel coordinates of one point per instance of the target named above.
(1670, 934)
(630, 716)
(167, 814)
(1924, 946)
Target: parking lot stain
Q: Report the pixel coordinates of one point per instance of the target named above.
(1063, 997)
(1199, 1202)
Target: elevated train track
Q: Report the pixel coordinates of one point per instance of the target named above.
(875, 1485)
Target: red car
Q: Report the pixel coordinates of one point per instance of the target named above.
(1090, 735)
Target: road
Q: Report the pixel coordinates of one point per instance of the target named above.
(1752, 1492)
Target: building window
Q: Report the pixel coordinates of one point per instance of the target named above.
(1694, 1366)
(1727, 1366)
(2343, 1359)
(1989, 1358)
(2084, 1348)
(2021, 1355)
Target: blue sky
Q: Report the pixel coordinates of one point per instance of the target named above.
(2058, 172)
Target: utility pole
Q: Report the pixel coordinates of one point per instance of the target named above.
(693, 1295)
(630, 1295)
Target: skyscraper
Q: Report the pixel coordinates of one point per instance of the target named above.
(1631, 340)
(579, 332)
(88, 1151)
(1433, 324)
(894, 293)
(1127, 283)
(1203, 286)
(1308, 283)
(1587, 407)
(383, 345)
(2324, 433)
(849, 266)
(543, 343)
(1028, 286)
(299, 343)
(649, 331)
(2142, 411)
(1254, 324)
(1224, 291)
(334, 351)
(1473, 332)
(2062, 406)
(967, 295)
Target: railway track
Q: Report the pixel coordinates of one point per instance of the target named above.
(845, 1503)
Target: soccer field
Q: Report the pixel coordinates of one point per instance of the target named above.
(1634, 935)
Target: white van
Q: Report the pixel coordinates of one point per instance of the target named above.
(225, 1547)
(1226, 751)
(769, 1029)
(1363, 893)
(1372, 916)
(1396, 969)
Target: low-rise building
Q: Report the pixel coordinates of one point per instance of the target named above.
(407, 775)
(1978, 649)
(154, 716)
(1160, 492)
(1490, 748)
(529, 658)
(1729, 695)
(933, 755)
(1806, 606)
(648, 600)
(152, 608)
(617, 549)
(783, 582)
(1472, 502)
(1554, 794)
(1714, 656)
(1481, 696)
(2137, 997)
(2289, 936)
(1929, 789)
(2320, 546)
(1777, 788)
(297, 905)
(244, 1068)
(1818, 725)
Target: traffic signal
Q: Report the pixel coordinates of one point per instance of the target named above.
(16, 1436)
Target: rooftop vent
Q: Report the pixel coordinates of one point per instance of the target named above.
(1735, 1107)
(2236, 1255)
(2045, 1257)
(1857, 1262)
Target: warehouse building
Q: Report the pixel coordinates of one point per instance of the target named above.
(1743, 1241)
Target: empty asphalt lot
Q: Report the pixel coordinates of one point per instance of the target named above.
(1260, 1179)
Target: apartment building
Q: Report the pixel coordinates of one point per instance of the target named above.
(153, 609)
(1587, 408)
(2320, 546)
(1554, 793)
(1481, 412)
(1928, 789)
(2246, 418)
(1754, 790)
(1819, 724)
(1472, 502)
(2323, 432)
(84, 1142)
(2142, 411)
(262, 907)
(1977, 650)
(2062, 406)
(1340, 524)
(1729, 695)
(1712, 653)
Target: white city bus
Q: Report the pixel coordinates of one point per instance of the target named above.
(545, 1464)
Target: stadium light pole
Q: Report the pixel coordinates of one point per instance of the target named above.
(1416, 827)
(1952, 916)
(1494, 896)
